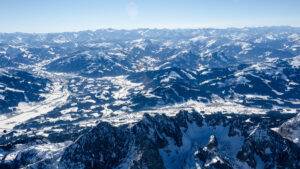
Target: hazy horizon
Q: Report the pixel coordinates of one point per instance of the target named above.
(51, 16)
(141, 28)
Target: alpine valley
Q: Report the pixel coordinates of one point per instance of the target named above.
(151, 99)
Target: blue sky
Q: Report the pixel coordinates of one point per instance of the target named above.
(75, 15)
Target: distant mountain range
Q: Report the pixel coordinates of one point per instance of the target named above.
(151, 98)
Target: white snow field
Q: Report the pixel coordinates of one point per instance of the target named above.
(28, 110)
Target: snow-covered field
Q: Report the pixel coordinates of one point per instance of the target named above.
(27, 110)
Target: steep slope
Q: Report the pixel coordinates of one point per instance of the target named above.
(179, 142)
(291, 129)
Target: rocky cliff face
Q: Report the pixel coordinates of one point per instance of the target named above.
(186, 140)
(291, 129)
(271, 148)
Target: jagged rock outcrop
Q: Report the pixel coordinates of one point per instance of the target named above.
(270, 149)
(291, 129)
(155, 141)
(209, 158)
